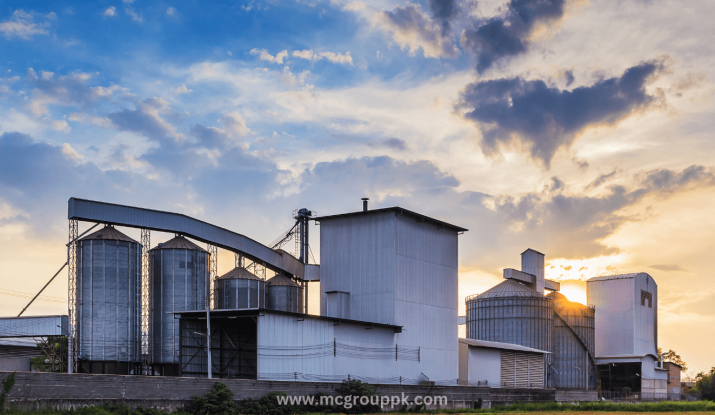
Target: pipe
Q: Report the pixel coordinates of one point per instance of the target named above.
(661, 359)
(364, 203)
(43, 289)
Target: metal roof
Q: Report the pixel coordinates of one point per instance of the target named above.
(400, 211)
(179, 242)
(499, 345)
(617, 277)
(529, 249)
(156, 220)
(201, 314)
(239, 273)
(108, 233)
(281, 280)
(509, 288)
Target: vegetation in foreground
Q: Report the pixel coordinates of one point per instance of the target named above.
(219, 401)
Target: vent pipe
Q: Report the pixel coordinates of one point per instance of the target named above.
(364, 203)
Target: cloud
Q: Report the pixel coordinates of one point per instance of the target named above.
(393, 143)
(668, 268)
(110, 11)
(183, 90)
(171, 11)
(21, 25)
(265, 56)
(131, 13)
(148, 119)
(331, 56)
(67, 90)
(601, 179)
(545, 119)
(443, 11)
(506, 36)
(413, 30)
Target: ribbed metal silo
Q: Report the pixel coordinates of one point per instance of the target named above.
(109, 301)
(239, 288)
(179, 282)
(574, 343)
(284, 294)
(512, 313)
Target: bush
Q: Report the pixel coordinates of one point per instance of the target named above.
(6, 386)
(358, 388)
(217, 401)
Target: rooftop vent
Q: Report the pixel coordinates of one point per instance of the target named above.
(364, 203)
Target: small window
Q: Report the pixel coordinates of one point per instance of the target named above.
(646, 296)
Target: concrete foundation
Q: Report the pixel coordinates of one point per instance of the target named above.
(63, 391)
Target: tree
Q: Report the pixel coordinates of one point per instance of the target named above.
(671, 356)
(705, 384)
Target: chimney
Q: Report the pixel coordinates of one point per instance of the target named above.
(364, 203)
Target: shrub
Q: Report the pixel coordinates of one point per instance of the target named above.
(217, 401)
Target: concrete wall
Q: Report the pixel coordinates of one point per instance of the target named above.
(12, 364)
(62, 391)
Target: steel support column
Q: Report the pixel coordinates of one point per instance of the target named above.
(145, 297)
(72, 346)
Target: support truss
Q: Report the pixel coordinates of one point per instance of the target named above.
(72, 342)
(213, 271)
(146, 245)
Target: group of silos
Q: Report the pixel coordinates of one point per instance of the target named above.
(109, 299)
(515, 313)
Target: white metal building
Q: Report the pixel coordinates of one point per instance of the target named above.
(627, 333)
(500, 365)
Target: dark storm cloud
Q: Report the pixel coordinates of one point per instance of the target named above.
(569, 77)
(443, 11)
(546, 119)
(506, 36)
(415, 29)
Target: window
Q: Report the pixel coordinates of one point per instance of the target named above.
(646, 296)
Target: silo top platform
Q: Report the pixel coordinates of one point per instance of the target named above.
(180, 243)
(508, 288)
(108, 233)
(239, 273)
(398, 211)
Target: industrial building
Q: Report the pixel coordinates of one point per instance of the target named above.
(517, 312)
(388, 308)
(627, 334)
(388, 298)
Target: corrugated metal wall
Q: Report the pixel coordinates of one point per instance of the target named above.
(179, 282)
(570, 356)
(109, 306)
(36, 326)
(398, 271)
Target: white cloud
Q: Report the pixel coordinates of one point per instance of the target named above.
(183, 90)
(60, 125)
(171, 11)
(21, 25)
(129, 1)
(135, 17)
(111, 11)
(265, 56)
(234, 124)
(331, 56)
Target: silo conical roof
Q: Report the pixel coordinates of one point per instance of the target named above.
(180, 242)
(108, 233)
(239, 273)
(281, 280)
(509, 288)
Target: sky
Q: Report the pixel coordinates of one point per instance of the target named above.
(580, 129)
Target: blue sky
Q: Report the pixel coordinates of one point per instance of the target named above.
(581, 129)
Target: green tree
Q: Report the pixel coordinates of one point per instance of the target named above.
(355, 387)
(217, 401)
(672, 356)
(705, 384)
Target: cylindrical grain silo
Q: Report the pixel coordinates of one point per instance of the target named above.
(284, 294)
(511, 312)
(109, 302)
(239, 288)
(574, 343)
(179, 282)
